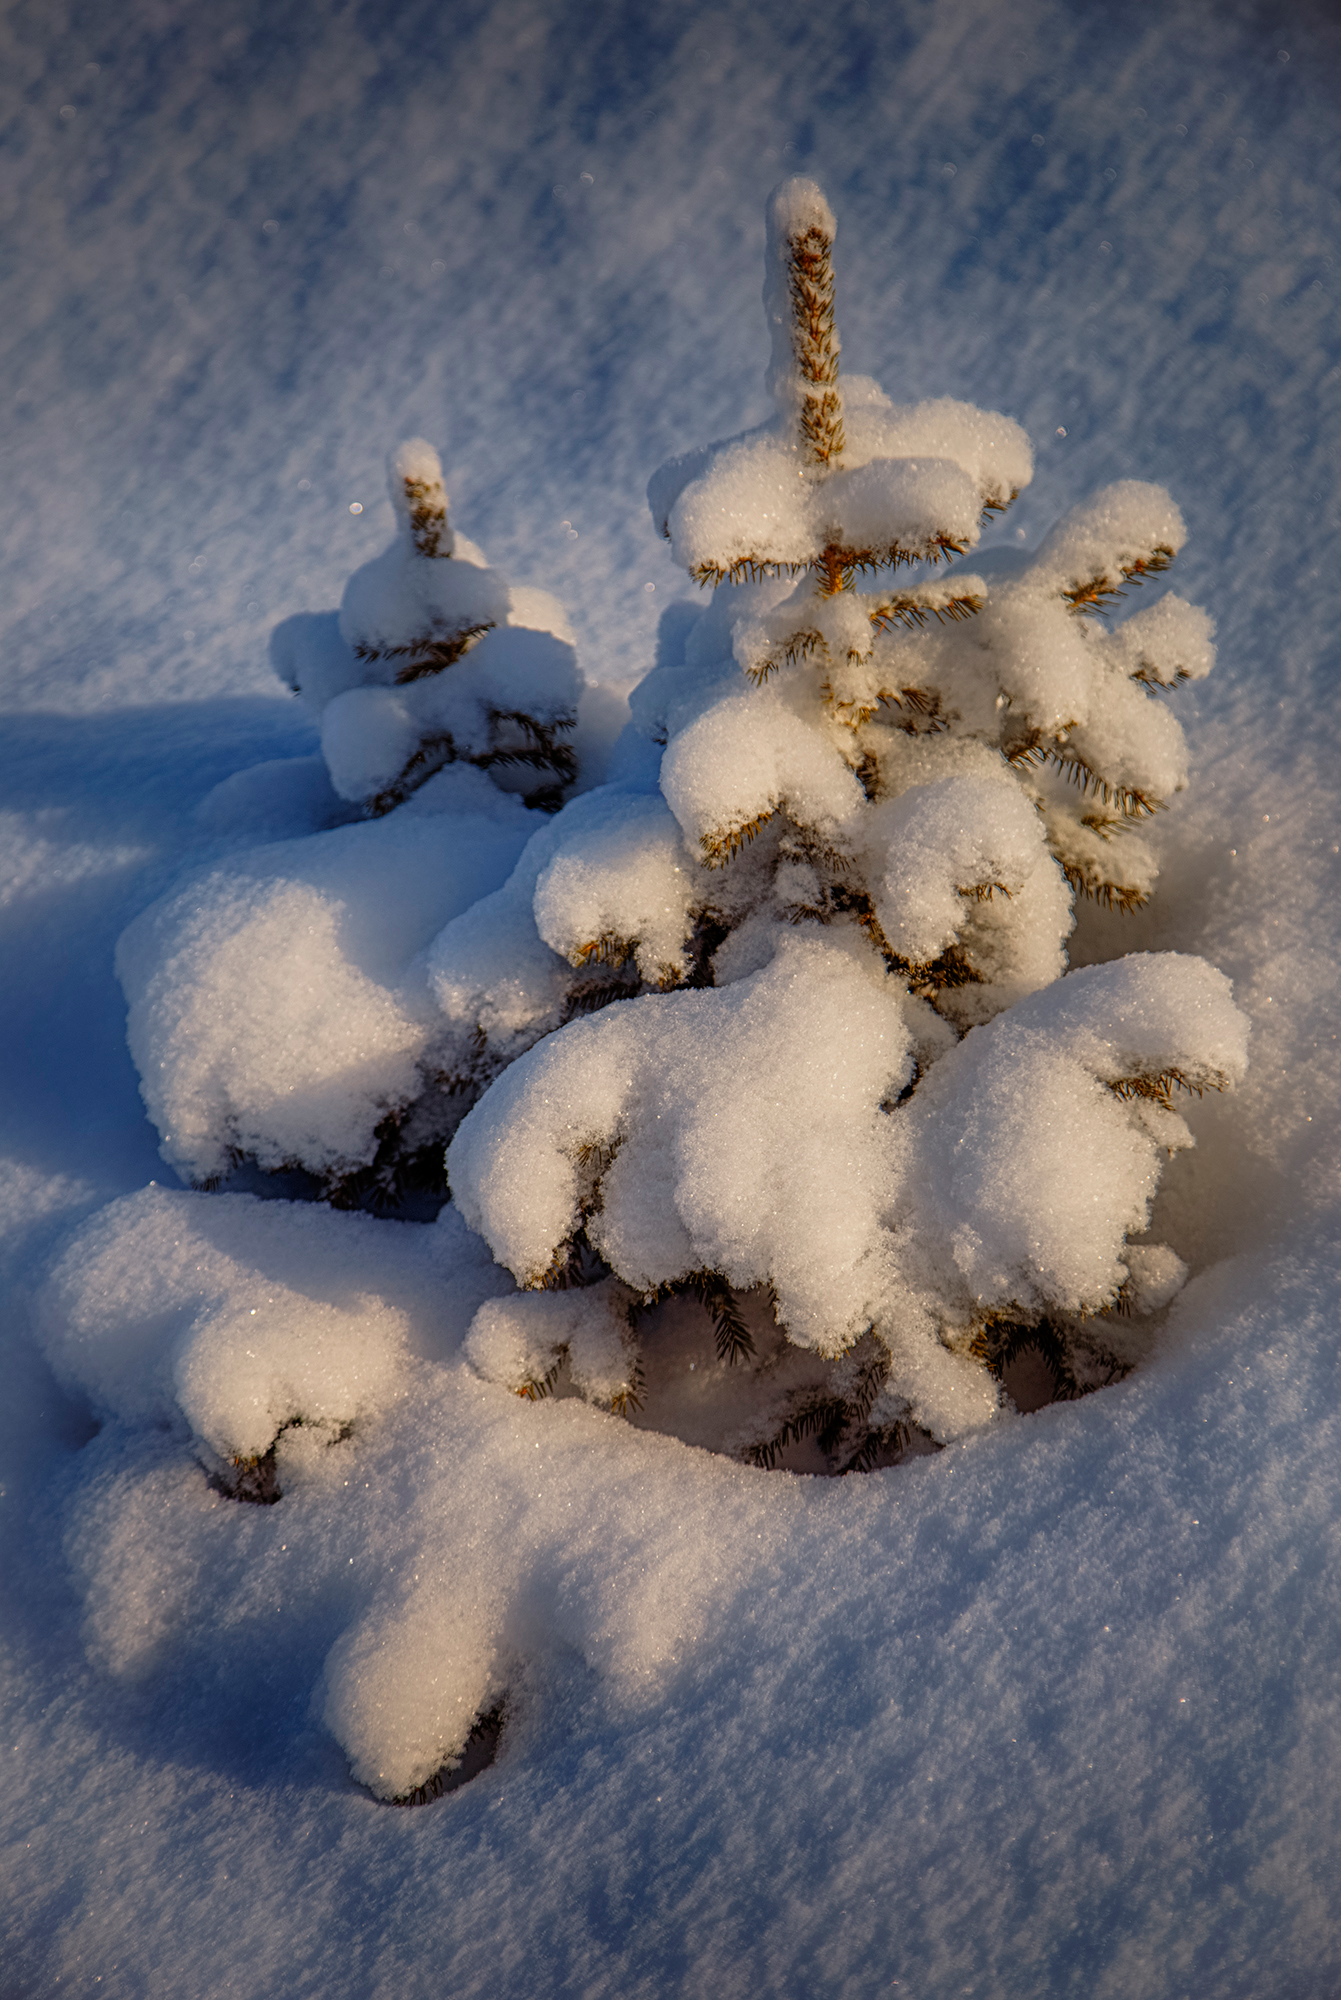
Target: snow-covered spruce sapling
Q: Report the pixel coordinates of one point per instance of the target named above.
(278, 1011)
(432, 660)
(881, 1137)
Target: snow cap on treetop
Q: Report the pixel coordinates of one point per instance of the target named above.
(408, 599)
(794, 207)
(835, 482)
(414, 475)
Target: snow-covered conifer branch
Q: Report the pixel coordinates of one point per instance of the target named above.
(942, 601)
(525, 1343)
(1097, 593)
(836, 1415)
(720, 844)
(1131, 802)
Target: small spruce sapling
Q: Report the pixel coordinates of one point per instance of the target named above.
(277, 1010)
(879, 1106)
(434, 660)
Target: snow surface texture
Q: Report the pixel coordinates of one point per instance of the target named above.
(1062, 1716)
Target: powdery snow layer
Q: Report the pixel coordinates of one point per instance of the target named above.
(1081, 1668)
(903, 482)
(757, 1131)
(888, 1735)
(743, 1131)
(274, 1008)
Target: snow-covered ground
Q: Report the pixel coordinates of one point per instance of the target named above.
(1053, 1712)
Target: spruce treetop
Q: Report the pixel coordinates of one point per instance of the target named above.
(839, 480)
